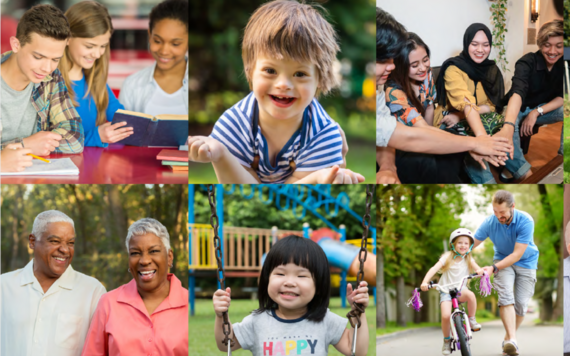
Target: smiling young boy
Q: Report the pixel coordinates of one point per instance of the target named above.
(280, 133)
(36, 110)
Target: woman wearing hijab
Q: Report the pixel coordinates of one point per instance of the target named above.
(470, 89)
(148, 315)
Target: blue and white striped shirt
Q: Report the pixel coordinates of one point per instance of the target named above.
(316, 145)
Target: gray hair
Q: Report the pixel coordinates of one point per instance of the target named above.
(49, 216)
(149, 226)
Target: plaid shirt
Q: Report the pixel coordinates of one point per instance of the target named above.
(56, 113)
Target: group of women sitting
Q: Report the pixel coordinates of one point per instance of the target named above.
(470, 96)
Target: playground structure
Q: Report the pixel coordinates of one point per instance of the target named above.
(243, 249)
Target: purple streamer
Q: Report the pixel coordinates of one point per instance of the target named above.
(485, 286)
(415, 301)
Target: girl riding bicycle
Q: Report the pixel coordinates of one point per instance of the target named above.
(453, 266)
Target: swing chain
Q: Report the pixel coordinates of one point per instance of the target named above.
(357, 308)
(214, 221)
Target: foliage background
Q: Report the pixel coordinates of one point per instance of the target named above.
(102, 215)
(217, 81)
(414, 223)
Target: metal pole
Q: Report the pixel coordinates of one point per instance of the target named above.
(343, 282)
(191, 276)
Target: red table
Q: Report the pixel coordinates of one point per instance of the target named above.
(116, 164)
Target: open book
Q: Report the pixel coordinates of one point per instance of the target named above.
(56, 167)
(161, 130)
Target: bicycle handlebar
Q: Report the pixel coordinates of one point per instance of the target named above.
(432, 284)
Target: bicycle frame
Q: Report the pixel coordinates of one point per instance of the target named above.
(455, 293)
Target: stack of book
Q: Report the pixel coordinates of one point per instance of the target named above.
(177, 160)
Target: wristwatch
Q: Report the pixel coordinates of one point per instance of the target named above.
(540, 110)
(495, 269)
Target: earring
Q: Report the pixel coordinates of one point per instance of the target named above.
(129, 269)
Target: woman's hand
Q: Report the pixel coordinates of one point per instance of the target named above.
(424, 287)
(359, 295)
(222, 301)
(451, 119)
(111, 133)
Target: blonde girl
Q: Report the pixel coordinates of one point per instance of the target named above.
(85, 66)
(453, 266)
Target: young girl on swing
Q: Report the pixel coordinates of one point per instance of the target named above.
(454, 265)
(293, 315)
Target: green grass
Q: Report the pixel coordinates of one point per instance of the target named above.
(567, 150)
(201, 326)
(391, 327)
(361, 158)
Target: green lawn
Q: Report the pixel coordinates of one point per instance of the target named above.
(361, 158)
(391, 327)
(201, 326)
(567, 150)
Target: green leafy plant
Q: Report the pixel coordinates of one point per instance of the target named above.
(566, 22)
(498, 11)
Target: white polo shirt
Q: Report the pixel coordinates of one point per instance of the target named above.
(34, 323)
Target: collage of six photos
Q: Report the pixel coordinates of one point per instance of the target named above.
(212, 165)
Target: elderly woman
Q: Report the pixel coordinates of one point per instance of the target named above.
(148, 315)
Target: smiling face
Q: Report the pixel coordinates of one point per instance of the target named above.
(284, 88)
(149, 261)
(53, 251)
(39, 57)
(553, 50)
(419, 64)
(503, 212)
(168, 43)
(479, 48)
(383, 70)
(462, 244)
(85, 51)
(292, 287)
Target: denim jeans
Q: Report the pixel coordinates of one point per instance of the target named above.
(518, 166)
(549, 118)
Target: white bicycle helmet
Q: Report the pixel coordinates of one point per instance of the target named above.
(461, 232)
(457, 233)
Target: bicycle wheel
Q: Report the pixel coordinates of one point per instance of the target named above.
(463, 342)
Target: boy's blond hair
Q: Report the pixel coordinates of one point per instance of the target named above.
(297, 31)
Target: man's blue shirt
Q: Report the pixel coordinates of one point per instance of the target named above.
(504, 237)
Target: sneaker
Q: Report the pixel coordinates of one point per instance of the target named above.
(446, 349)
(510, 348)
(475, 326)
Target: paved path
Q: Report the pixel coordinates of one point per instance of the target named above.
(532, 341)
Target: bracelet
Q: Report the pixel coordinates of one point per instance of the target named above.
(509, 123)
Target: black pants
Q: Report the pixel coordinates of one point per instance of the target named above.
(429, 169)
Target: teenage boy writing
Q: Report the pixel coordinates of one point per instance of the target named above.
(36, 110)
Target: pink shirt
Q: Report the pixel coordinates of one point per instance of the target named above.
(121, 324)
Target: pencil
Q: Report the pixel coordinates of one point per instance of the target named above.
(41, 159)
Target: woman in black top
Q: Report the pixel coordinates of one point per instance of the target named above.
(536, 96)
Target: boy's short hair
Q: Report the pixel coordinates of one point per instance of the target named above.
(550, 29)
(391, 36)
(46, 21)
(289, 29)
(169, 9)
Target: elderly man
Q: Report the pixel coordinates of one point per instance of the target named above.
(514, 263)
(46, 307)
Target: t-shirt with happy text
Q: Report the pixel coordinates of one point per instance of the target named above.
(266, 334)
(317, 144)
